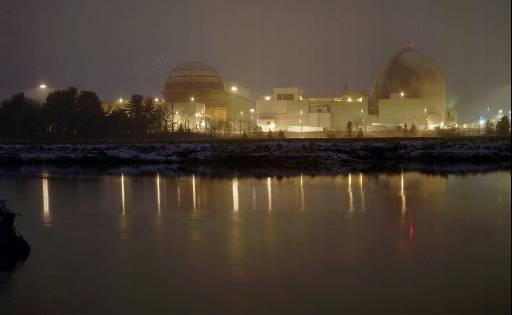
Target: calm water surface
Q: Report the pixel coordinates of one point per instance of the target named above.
(401, 243)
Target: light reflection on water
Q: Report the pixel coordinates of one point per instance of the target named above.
(123, 194)
(350, 197)
(158, 201)
(269, 190)
(400, 236)
(402, 195)
(47, 218)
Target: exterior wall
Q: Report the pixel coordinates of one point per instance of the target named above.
(322, 120)
(399, 110)
(343, 112)
(317, 113)
(335, 113)
(237, 106)
(296, 92)
(281, 114)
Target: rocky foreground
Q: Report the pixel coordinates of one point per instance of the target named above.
(13, 247)
(306, 154)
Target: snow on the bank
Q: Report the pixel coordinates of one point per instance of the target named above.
(262, 152)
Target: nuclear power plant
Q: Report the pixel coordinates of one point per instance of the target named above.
(410, 89)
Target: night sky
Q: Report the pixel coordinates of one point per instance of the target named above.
(121, 47)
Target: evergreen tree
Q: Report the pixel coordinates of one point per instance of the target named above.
(20, 117)
(349, 128)
(90, 114)
(413, 131)
(137, 115)
(489, 128)
(60, 110)
(503, 126)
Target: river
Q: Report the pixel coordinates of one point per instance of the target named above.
(353, 242)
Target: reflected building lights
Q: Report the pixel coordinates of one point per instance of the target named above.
(361, 191)
(123, 202)
(235, 195)
(350, 197)
(253, 197)
(178, 194)
(269, 191)
(194, 191)
(402, 195)
(47, 219)
(158, 204)
(301, 193)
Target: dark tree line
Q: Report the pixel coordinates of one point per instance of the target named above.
(73, 114)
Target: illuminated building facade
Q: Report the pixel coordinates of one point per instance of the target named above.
(201, 99)
(287, 109)
(410, 89)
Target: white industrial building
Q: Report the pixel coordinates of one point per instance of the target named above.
(287, 109)
(410, 89)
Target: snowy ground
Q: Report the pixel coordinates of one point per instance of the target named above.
(258, 152)
(437, 154)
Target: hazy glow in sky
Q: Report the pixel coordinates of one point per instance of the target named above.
(120, 47)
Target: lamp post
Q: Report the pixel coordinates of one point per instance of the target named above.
(252, 118)
(402, 94)
(192, 99)
(426, 119)
(240, 121)
(362, 120)
(234, 90)
(300, 120)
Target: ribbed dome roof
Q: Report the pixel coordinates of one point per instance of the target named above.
(416, 74)
(194, 79)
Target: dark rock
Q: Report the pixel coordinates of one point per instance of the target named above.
(13, 247)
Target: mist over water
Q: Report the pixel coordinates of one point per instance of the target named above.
(386, 243)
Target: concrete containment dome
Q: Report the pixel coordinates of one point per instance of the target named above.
(410, 72)
(194, 80)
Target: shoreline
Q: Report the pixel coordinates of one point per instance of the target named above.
(52, 170)
(276, 156)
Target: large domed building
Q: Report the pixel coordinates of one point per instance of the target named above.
(202, 99)
(194, 80)
(411, 88)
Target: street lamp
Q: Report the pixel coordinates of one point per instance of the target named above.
(42, 86)
(402, 94)
(426, 118)
(192, 99)
(234, 88)
(240, 122)
(300, 120)
(362, 120)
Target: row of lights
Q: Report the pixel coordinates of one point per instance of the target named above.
(156, 100)
(349, 99)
